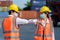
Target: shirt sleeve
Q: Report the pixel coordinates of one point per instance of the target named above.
(52, 29)
(21, 21)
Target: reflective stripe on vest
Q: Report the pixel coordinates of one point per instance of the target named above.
(11, 37)
(48, 35)
(42, 35)
(10, 31)
(39, 35)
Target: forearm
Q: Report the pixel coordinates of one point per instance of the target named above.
(21, 21)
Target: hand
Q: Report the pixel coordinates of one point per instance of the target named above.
(31, 21)
(35, 21)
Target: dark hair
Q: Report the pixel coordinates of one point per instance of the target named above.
(47, 14)
(10, 11)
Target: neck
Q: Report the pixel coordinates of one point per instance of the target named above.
(45, 19)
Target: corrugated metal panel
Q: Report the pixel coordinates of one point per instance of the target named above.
(2, 9)
(5, 0)
(5, 3)
(28, 14)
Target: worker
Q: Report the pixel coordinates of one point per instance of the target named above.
(44, 29)
(10, 23)
(11, 29)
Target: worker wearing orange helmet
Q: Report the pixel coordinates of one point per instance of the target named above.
(44, 29)
(10, 23)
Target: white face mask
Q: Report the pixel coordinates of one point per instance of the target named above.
(16, 14)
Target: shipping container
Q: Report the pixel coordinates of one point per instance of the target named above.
(54, 5)
(5, 3)
(37, 4)
(28, 14)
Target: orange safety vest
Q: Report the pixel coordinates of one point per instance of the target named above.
(10, 30)
(43, 33)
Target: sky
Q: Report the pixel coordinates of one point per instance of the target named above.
(20, 4)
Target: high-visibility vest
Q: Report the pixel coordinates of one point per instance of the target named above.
(10, 30)
(43, 33)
